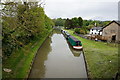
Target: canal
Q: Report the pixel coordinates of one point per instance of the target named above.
(57, 59)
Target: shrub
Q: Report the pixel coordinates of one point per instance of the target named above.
(77, 30)
(82, 31)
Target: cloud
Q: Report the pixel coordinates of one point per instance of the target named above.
(86, 9)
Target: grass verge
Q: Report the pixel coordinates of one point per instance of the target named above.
(101, 57)
(20, 61)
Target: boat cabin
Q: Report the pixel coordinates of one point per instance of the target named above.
(74, 42)
(66, 34)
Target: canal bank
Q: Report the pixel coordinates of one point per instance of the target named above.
(71, 47)
(19, 62)
(55, 59)
(101, 58)
(33, 59)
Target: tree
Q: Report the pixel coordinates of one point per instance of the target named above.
(23, 24)
(59, 22)
(89, 27)
(48, 23)
(80, 21)
(74, 23)
(68, 24)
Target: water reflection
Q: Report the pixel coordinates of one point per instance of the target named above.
(55, 60)
(57, 31)
(39, 68)
(76, 53)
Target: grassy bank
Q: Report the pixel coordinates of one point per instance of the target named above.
(101, 57)
(20, 61)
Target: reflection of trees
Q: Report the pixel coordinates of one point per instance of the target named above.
(38, 69)
(57, 31)
(0, 64)
(76, 53)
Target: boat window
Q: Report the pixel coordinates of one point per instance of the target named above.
(77, 43)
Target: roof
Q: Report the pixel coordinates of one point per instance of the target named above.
(97, 28)
(117, 22)
(75, 39)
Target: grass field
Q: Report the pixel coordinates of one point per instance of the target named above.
(101, 57)
(20, 61)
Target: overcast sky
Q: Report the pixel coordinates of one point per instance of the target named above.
(87, 9)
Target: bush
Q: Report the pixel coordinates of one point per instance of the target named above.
(77, 30)
(80, 30)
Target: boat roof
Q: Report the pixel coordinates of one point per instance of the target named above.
(75, 39)
(67, 33)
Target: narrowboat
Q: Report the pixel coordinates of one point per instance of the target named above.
(75, 52)
(65, 34)
(76, 44)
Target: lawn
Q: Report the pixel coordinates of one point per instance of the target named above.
(101, 57)
(21, 60)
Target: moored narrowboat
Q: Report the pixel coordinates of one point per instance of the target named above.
(65, 34)
(76, 44)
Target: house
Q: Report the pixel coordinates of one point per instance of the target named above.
(111, 32)
(96, 31)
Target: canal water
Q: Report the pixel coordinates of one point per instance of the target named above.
(57, 59)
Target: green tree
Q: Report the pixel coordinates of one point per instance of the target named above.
(68, 24)
(59, 22)
(74, 22)
(23, 23)
(80, 21)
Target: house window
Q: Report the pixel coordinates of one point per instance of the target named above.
(112, 31)
(99, 33)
